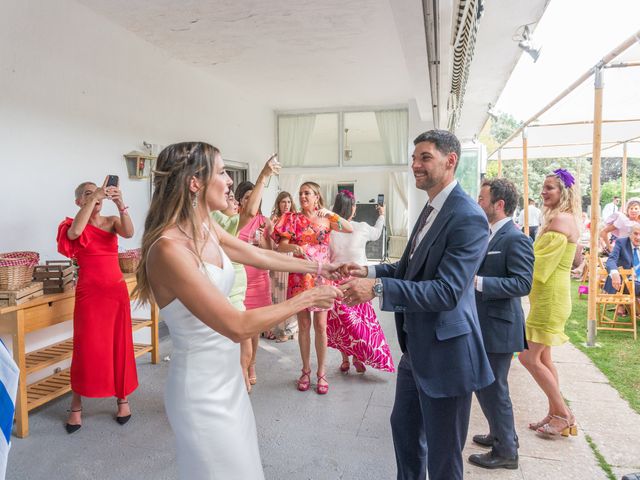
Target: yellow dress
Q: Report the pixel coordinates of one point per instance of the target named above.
(550, 295)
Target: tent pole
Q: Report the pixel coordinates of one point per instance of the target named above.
(525, 180)
(623, 193)
(500, 163)
(595, 208)
(604, 61)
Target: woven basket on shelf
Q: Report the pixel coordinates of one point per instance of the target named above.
(129, 260)
(16, 269)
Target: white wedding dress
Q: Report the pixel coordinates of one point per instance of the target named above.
(206, 398)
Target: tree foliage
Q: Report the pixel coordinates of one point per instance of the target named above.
(502, 125)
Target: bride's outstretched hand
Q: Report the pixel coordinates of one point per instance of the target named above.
(324, 296)
(352, 269)
(332, 271)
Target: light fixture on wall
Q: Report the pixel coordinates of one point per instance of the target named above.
(526, 43)
(348, 153)
(139, 164)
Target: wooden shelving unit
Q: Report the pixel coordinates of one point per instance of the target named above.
(43, 312)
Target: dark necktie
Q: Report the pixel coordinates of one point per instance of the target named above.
(636, 262)
(421, 223)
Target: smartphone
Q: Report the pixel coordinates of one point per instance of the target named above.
(380, 199)
(112, 181)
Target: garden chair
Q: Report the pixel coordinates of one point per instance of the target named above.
(607, 304)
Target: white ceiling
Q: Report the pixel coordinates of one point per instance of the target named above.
(310, 54)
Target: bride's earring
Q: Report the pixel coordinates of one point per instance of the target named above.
(194, 202)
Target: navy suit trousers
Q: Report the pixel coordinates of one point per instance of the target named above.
(496, 406)
(428, 433)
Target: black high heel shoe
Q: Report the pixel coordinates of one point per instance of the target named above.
(72, 428)
(124, 419)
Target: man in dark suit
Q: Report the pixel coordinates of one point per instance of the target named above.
(431, 292)
(625, 254)
(504, 276)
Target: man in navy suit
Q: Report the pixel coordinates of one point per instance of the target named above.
(431, 292)
(625, 254)
(504, 276)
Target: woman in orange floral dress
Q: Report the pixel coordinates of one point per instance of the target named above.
(307, 235)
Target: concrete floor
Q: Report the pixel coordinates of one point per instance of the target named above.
(343, 435)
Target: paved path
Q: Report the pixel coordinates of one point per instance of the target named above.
(343, 435)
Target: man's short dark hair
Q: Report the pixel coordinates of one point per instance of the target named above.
(615, 197)
(503, 189)
(445, 141)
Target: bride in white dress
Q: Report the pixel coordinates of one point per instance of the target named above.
(186, 270)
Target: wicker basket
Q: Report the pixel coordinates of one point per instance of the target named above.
(16, 269)
(129, 260)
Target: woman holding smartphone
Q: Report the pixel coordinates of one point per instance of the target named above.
(103, 362)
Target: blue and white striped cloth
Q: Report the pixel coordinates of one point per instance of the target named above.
(9, 375)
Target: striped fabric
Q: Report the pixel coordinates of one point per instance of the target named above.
(468, 21)
(8, 387)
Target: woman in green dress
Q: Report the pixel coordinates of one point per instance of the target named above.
(550, 296)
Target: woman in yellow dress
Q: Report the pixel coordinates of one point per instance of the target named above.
(550, 296)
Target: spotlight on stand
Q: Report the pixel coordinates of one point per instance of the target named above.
(527, 44)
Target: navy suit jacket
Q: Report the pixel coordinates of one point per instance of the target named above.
(621, 257)
(434, 304)
(507, 272)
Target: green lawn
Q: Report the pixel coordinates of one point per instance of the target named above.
(617, 354)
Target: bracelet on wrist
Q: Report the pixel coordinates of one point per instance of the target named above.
(123, 209)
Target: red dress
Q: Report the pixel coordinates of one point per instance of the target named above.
(103, 362)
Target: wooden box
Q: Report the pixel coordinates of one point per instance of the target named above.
(57, 276)
(9, 298)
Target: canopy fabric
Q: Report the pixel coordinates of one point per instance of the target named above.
(550, 137)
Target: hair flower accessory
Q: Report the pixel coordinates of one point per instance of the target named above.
(347, 194)
(565, 176)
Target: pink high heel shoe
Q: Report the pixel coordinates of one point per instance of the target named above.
(322, 389)
(304, 382)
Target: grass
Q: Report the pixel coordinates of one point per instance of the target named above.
(601, 460)
(617, 354)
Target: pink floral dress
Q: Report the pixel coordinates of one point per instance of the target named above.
(313, 238)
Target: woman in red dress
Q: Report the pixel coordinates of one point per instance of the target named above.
(103, 362)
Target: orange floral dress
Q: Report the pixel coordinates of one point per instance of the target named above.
(313, 238)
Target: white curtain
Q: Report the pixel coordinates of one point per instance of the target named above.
(294, 133)
(394, 131)
(393, 127)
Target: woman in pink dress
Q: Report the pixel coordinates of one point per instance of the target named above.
(279, 280)
(355, 331)
(307, 235)
(618, 225)
(258, 283)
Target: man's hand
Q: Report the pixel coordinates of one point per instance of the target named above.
(616, 280)
(352, 269)
(358, 290)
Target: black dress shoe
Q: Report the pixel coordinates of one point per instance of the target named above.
(125, 418)
(72, 428)
(492, 460)
(484, 440)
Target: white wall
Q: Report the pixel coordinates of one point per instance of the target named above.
(417, 198)
(77, 92)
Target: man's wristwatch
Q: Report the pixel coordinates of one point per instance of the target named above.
(377, 288)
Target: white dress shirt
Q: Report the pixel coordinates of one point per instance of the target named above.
(494, 229)
(436, 203)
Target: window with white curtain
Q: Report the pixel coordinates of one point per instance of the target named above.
(309, 140)
(364, 138)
